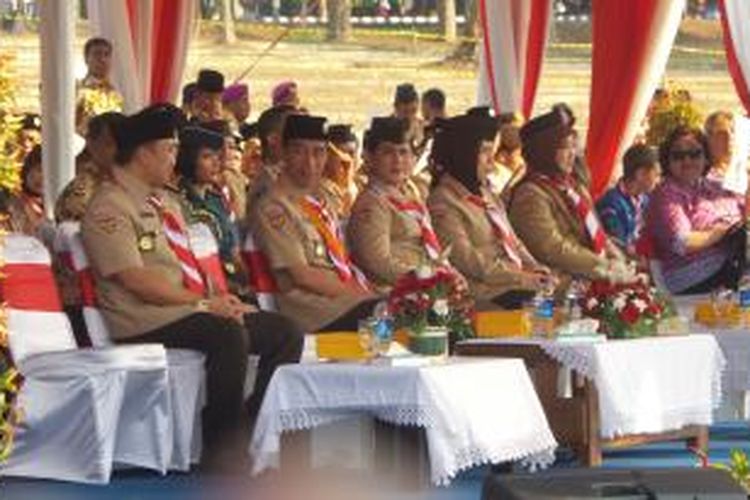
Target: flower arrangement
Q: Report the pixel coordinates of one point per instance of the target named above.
(10, 166)
(626, 310)
(432, 297)
(10, 182)
(10, 381)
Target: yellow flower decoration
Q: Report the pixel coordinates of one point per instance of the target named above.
(10, 165)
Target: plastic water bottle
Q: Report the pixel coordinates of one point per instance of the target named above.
(382, 327)
(544, 314)
(743, 287)
(573, 301)
(743, 294)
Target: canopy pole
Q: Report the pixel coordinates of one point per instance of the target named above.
(57, 33)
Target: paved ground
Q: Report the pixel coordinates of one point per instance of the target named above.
(141, 485)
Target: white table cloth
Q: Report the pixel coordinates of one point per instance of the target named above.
(646, 385)
(474, 411)
(735, 344)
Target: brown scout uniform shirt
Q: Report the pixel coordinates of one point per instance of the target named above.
(288, 239)
(237, 184)
(385, 242)
(475, 251)
(555, 235)
(122, 231)
(72, 202)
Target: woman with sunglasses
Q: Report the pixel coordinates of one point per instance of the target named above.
(693, 223)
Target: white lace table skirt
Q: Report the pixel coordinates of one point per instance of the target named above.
(645, 385)
(474, 411)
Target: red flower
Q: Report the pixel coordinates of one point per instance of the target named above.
(630, 314)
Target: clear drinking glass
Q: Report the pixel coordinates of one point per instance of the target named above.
(367, 339)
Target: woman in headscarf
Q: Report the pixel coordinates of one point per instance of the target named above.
(551, 208)
(471, 223)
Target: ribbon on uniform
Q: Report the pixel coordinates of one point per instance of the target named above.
(582, 207)
(419, 213)
(177, 238)
(500, 227)
(331, 235)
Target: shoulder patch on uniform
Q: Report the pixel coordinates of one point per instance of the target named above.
(438, 210)
(275, 215)
(108, 222)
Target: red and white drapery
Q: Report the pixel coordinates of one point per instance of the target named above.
(514, 38)
(150, 39)
(735, 20)
(631, 45)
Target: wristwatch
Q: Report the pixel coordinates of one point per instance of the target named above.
(203, 305)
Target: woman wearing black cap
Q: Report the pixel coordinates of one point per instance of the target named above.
(199, 166)
(472, 223)
(552, 210)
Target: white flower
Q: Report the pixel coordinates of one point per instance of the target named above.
(620, 302)
(592, 303)
(424, 272)
(640, 305)
(440, 307)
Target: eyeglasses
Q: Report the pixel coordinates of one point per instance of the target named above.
(679, 155)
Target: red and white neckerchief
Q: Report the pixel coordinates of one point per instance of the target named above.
(330, 232)
(501, 227)
(418, 212)
(582, 207)
(178, 241)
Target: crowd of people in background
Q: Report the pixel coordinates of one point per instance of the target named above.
(502, 202)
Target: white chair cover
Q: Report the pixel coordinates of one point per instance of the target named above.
(87, 409)
(185, 367)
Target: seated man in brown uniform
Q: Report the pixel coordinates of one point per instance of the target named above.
(390, 231)
(150, 289)
(318, 285)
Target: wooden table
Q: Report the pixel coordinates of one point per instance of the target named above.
(575, 420)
